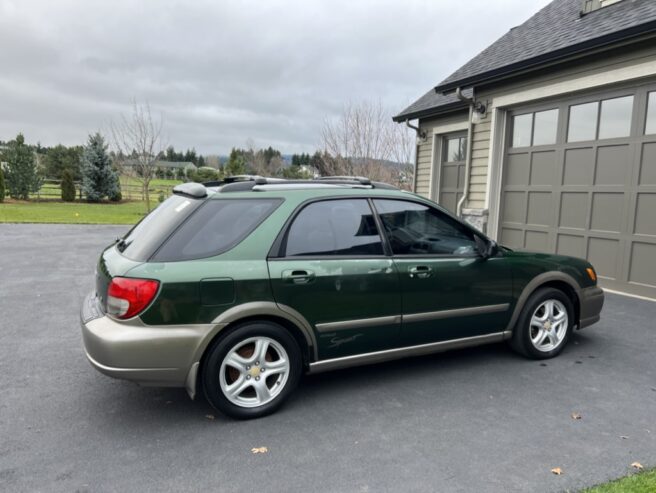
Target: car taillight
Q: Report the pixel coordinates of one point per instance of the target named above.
(127, 297)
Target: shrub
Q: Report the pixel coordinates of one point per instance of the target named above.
(160, 197)
(116, 196)
(201, 175)
(67, 186)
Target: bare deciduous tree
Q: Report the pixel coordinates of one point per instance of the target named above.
(364, 141)
(138, 142)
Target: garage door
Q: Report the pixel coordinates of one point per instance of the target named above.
(579, 178)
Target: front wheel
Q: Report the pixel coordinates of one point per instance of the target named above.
(252, 370)
(544, 325)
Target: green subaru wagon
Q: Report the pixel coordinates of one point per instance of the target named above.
(233, 289)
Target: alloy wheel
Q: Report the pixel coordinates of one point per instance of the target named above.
(549, 325)
(254, 372)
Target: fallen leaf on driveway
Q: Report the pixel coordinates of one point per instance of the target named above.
(209, 416)
(576, 416)
(259, 450)
(637, 465)
(557, 471)
(623, 437)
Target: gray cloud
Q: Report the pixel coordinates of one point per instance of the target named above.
(223, 72)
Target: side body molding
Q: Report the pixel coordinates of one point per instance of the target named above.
(534, 284)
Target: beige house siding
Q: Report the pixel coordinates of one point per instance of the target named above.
(564, 82)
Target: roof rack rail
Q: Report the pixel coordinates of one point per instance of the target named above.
(363, 180)
(243, 183)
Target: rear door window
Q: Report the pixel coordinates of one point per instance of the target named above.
(215, 228)
(334, 227)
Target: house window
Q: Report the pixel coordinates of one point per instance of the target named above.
(455, 149)
(582, 122)
(615, 120)
(608, 119)
(538, 129)
(651, 114)
(545, 127)
(522, 128)
(592, 5)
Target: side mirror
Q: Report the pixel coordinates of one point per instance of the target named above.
(486, 249)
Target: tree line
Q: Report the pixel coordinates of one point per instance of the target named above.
(361, 141)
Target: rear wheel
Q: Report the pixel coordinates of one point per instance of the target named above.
(252, 370)
(544, 325)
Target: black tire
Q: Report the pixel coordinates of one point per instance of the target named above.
(211, 369)
(521, 338)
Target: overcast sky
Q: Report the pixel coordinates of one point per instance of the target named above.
(222, 72)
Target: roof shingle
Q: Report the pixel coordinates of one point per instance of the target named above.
(556, 27)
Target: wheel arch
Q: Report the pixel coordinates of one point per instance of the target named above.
(286, 317)
(553, 279)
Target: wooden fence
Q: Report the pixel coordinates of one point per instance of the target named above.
(51, 190)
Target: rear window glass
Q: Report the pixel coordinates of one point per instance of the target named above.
(146, 237)
(216, 227)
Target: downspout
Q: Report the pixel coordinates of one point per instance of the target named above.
(468, 160)
(420, 135)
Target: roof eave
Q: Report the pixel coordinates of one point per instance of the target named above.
(429, 112)
(534, 63)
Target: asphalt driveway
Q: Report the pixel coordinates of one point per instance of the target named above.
(482, 419)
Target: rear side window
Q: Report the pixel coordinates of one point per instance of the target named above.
(334, 227)
(146, 237)
(216, 227)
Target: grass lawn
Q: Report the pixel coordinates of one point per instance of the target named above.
(644, 482)
(14, 211)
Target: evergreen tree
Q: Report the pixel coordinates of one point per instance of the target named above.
(201, 161)
(236, 164)
(59, 158)
(21, 173)
(190, 156)
(98, 177)
(2, 186)
(67, 186)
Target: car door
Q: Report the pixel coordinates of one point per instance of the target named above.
(332, 268)
(448, 290)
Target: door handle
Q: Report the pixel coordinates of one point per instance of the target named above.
(420, 271)
(298, 276)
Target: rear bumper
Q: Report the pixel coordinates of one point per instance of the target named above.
(591, 302)
(162, 356)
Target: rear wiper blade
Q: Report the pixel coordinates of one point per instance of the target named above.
(121, 244)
